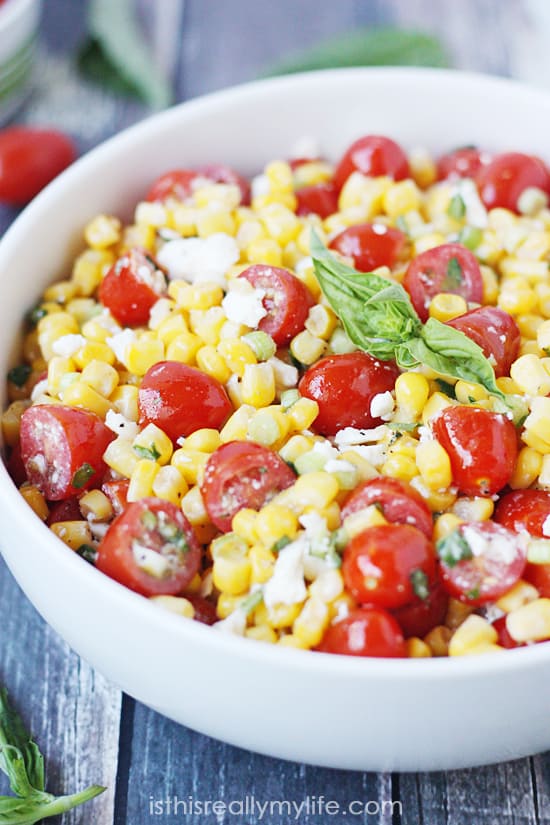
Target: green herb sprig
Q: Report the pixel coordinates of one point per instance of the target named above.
(22, 762)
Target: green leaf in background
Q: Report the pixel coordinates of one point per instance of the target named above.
(368, 47)
(117, 56)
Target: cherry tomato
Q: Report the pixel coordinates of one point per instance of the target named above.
(117, 493)
(481, 445)
(181, 399)
(502, 181)
(370, 245)
(344, 386)
(295, 163)
(421, 616)
(150, 548)
(481, 561)
(205, 611)
(242, 474)
(389, 566)
(176, 184)
(30, 159)
(218, 173)
(447, 268)
(495, 332)
(399, 502)
(461, 163)
(373, 156)
(15, 466)
(365, 632)
(319, 199)
(62, 449)
(67, 510)
(286, 300)
(504, 638)
(131, 287)
(525, 510)
(539, 576)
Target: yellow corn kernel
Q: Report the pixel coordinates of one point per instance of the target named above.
(92, 330)
(11, 421)
(243, 524)
(402, 467)
(312, 172)
(79, 394)
(35, 500)
(58, 367)
(434, 464)
(529, 348)
(306, 275)
(527, 469)
(537, 426)
(531, 622)
(137, 235)
(95, 506)
(262, 561)
(476, 508)
(258, 385)
(211, 362)
(516, 296)
(89, 268)
(529, 325)
(277, 616)
(207, 323)
(197, 296)
(175, 604)
(417, 648)
(363, 519)
(193, 508)
(296, 446)
(184, 348)
(317, 489)
(142, 354)
(174, 325)
(328, 586)
(153, 443)
(543, 336)
(151, 214)
(445, 524)
(61, 292)
(170, 485)
(183, 219)
(101, 377)
(321, 321)
(119, 456)
(446, 306)
(222, 195)
(279, 175)
(73, 533)
(261, 633)
(468, 393)
(213, 219)
(237, 354)
(125, 401)
(273, 522)
(302, 414)
(520, 594)
(233, 388)
(231, 570)
(307, 348)
(290, 640)
(264, 251)
(206, 440)
(227, 604)
(474, 632)
(360, 190)
(435, 404)
(428, 241)
(52, 327)
(438, 640)
(490, 285)
(436, 500)
(411, 393)
(423, 168)
(93, 351)
(268, 426)
(309, 627)
(529, 374)
(281, 223)
(141, 480)
(525, 270)
(236, 426)
(191, 464)
(457, 613)
(400, 198)
(102, 231)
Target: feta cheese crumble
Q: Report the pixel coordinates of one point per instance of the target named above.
(382, 405)
(244, 305)
(120, 342)
(200, 260)
(121, 426)
(287, 585)
(67, 345)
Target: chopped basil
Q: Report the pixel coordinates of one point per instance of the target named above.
(18, 375)
(172, 534)
(83, 475)
(446, 388)
(280, 543)
(149, 520)
(251, 602)
(88, 553)
(420, 585)
(453, 549)
(474, 593)
(454, 277)
(457, 207)
(34, 315)
(151, 453)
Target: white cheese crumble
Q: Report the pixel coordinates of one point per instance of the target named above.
(39, 389)
(153, 278)
(303, 264)
(375, 454)
(287, 585)
(476, 214)
(285, 374)
(501, 546)
(325, 450)
(382, 405)
(106, 320)
(351, 435)
(120, 342)
(235, 623)
(121, 426)
(339, 465)
(67, 345)
(200, 260)
(259, 186)
(244, 305)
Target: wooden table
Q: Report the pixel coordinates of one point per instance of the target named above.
(87, 729)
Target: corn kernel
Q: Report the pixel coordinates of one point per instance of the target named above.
(264, 251)
(516, 296)
(490, 285)
(309, 627)
(296, 446)
(457, 613)
(79, 394)
(471, 634)
(237, 354)
(236, 426)
(193, 508)
(35, 500)
(434, 464)
(401, 467)
(142, 354)
(531, 622)
(152, 443)
(318, 489)
(95, 506)
(141, 480)
(232, 570)
(102, 231)
(213, 219)
(520, 594)
(401, 197)
(302, 414)
(100, 376)
(290, 640)
(258, 385)
(89, 268)
(307, 348)
(268, 426)
(363, 519)
(411, 393)
(445, 524)
(191, 464)
(207, 323)
(274, 522)
(125, 401)
(438, 640)
(119, 456)
(205, 440)
(175, 604)
(277, 616)
(321, 321)
(435, 404)
(417, 648)
(73, 533)
(184, 348)
(170, 485)
(474, 509)
(243, 524)
(196, 296)
(527, 469)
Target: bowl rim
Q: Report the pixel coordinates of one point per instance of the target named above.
(12, 11)
(133, 605)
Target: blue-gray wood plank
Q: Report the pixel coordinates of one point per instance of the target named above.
(153, 767)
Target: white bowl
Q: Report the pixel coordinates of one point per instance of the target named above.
(19, 20)
(335, 711)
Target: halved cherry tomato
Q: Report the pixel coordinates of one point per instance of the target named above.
(131, 287)
(389, 566)
(399, 502)
(30, 159)
(176, 184)
(117, 493)
(62, 449)
(461, 163)
(319, 199)
(373, 155)
(344, 386)
(421, 616)
(481, 445)
(525, 510)
(286, 300)
(181, 399)
(504, 638)
(370, 245)
(242, 474)
(67, 510)
(205, 611)
(218, 173)
(295, 163)
(150, 548)
(365, 632)
(446, 268)
(502, 181)
(15, 466)
(495, 331)
(481, 561)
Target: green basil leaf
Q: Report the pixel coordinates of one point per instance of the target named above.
(150, 453)
(18, 375)
(82, 475)
(369, 47)
(456, 208)
(453, 549)
(453, 277)
(420, 584)
(20, 757)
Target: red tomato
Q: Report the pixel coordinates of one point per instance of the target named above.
(67, 510)
(525, 510)
(344, 386)
(295, 163)
(30, 159)
(365, 632)
(218, 173)
(148, 529)
(482, 447)
(370, 245)
(176, 184)
(495, 332)
(117, 493)
(287, 301)
(461, 163)
(385, 566)
(539, 576)
(131, 287)
(504, 638)
(240, 474)
(374, 156)
(481, 561)
(447, 268)
(180, 399)
(419, 617)
(319, 199)
(62, 449)
(205, 611)
(399, 502)
(502, 181)
(15, 466)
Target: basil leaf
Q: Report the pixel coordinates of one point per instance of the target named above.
(20, 757)
(453, 277)
(420, 584)
(82, 475)
(369, 47)
(453, 549)
(18, 375)
(280, 544)
(151, 453)
(456, 208)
